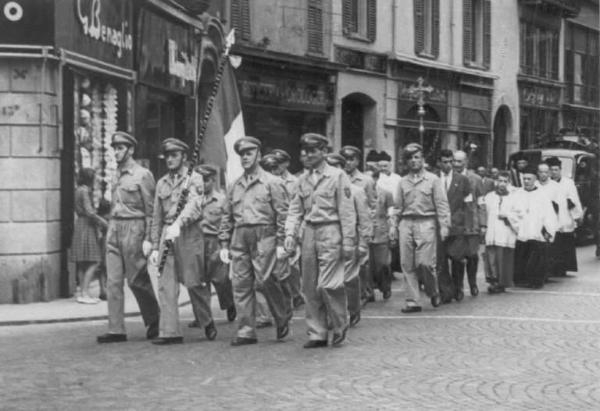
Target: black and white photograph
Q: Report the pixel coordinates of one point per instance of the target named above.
(299, 205)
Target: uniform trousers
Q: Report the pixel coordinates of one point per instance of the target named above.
(418, 250)
(353, 283)
(253, 258)
(184, 265)
(379, 266)
(217, 272)
(323, 279)
(125, 260)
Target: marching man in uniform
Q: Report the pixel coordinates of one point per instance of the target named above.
(364, 232)
(252, 233)
(185, 262)
(128, 241)
(323, 205)
(422, 206)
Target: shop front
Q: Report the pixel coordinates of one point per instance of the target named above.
(281, 101)
(539, 106)
(457, 112)
(67, 77)
(168, 55)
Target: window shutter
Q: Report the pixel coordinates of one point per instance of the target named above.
(467, 31)
(315, 26)
(240, 18)
(554, 51)
(371, 19)
(569, 78)
(419, 12)
(487, 33)
(435, 27)
(348, 23)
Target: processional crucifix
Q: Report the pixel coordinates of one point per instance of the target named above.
(420, 91)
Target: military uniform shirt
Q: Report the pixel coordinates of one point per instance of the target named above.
(258, 199)
(168, 191)
(324, 196)
(133, 194)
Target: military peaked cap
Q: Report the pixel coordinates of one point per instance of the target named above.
(351, 151)
(246, 143)
(269, 161)
(313, 140)
(173, 144)
(121, 137)
(281, 155)
(335, 159)
(411, 149)
(206, 170)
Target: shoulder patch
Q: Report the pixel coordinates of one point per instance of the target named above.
(347, 192)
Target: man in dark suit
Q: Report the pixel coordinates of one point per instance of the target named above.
(457, 190)
(516, 173)
(489, 184)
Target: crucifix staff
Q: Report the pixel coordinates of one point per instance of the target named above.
(420, 91)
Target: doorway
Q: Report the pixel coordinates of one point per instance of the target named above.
(358, 119)
(502, 126)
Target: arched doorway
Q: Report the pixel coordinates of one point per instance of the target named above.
(358, 119)
(502, 126)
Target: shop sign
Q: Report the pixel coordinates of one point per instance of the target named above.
(288, 93)
(26, 22)
(360, 60)
(540, 96)
(167, 54)
(98, 27)
(406, 92)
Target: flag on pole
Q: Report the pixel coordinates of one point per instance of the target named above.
(225, 126)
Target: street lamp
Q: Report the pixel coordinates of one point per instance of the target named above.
(420, 91)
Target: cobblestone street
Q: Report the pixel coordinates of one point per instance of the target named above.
(523, 350)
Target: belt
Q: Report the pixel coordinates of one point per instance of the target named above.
(417, 217)
(320, 223)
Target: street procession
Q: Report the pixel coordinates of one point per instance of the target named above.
(316, 204)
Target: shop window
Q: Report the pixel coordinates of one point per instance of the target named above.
(427, 27)
(360, 19)
(100, 109)
(240, 19)
(315, 26)
(477, 33)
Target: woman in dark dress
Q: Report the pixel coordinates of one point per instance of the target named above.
(86, 251)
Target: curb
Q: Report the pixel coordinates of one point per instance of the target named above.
(70, 320)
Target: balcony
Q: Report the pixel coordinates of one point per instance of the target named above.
(565, 8)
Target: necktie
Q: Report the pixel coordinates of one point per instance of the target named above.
(446, 182)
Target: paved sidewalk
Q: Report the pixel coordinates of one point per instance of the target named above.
(69, 310)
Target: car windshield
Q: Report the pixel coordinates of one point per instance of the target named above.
(566, 165)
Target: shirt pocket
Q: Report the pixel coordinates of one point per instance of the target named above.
(130, 194)
(325, 200)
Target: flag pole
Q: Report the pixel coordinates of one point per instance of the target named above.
(224, 60)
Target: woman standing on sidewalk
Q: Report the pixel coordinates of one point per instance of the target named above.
(86, 252)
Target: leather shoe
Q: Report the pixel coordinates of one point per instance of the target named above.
(264, 324)
(371, 298)
(152, 331)
(411, 309)
(111, 338)
(168, 340)
(436, 300)
(339, 338)
(459, 295)
(283, 331)
(237, 341)
(387, 294)
(315, 344)
(210, 331)
(231, 314)
(474, 291)
(194, 324)
(354, 319)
